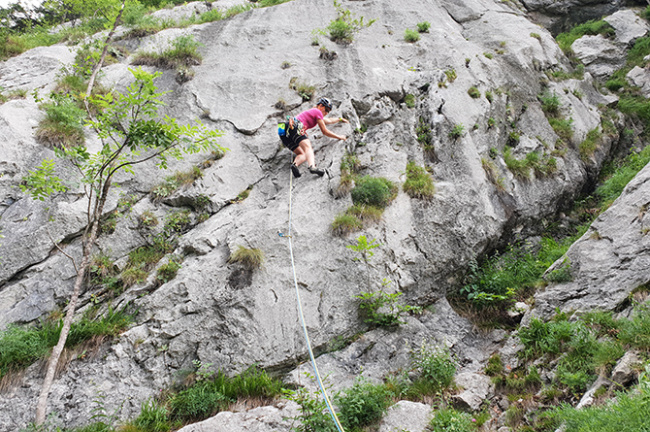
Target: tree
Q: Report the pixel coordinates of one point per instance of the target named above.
(364, 249)
(65, 10)
(131, 133)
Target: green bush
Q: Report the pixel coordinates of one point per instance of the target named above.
(250, 258)
(305, 91)
(22, 346)
(545, 338)
(211, 394)
(176, 181)
(365, 213)
(499, 277)
(494, 365)
(145, 256)
(344, 28)
(635, 332)
(314, 415)
(435, 367)
(252, 383)
(374, 191)
(513, 138)
(560, 274)
(12, 44)
(419, 183)
(411, 35)
(474, 92)
(457, 131)
(424, 26)
(576, 367)
(615, 84)
(451, 75)
(550, 103)
(363, 404)
(177, 222)
(451, 420)
(409, 100)
(14, 94)
(381, 309)
(519, 168)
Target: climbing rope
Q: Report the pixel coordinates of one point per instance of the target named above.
(302, 316)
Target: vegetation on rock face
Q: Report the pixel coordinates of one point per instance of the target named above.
(346, 26)
(176, 181)
(250, 258)
(63, 123)
(128, 126)
(419, 183)
(370, 195)
(581, 348)
(543, 165)
(373, 191)
(377, 308)
(363, 404)
(631, 101)
(628, 411)
(425, 136)
(585, 347)
(565, 40)
(22, 31)
(411, 35)
(552, 107)
(22, 346)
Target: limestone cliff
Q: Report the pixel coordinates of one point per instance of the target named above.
(209, 312)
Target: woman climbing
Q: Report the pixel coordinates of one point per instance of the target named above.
(293, 134)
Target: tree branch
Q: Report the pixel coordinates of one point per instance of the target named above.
(74, 263)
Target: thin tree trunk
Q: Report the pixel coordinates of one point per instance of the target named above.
(98, 66)
(53, 362)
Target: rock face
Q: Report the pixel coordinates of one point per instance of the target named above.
(609, 262)
(263, 419)
(406, 416)
(602, 56)
(559, 16)
(213, 312)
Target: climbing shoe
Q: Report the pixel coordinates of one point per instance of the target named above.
(318, 172)
(295, 171)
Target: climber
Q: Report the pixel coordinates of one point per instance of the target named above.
(293, 134)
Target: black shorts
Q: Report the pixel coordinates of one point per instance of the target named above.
(292, 138)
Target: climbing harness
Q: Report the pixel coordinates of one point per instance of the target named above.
(302, 316)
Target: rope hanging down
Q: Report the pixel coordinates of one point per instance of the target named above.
(302, 316)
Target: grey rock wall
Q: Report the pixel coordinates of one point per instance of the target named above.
(609, 262)
(207, 312)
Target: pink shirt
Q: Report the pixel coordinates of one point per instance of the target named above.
(310, 117)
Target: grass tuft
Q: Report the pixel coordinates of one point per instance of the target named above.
(250, 258)
(419, 183)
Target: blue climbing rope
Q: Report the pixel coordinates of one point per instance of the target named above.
(302, 316)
